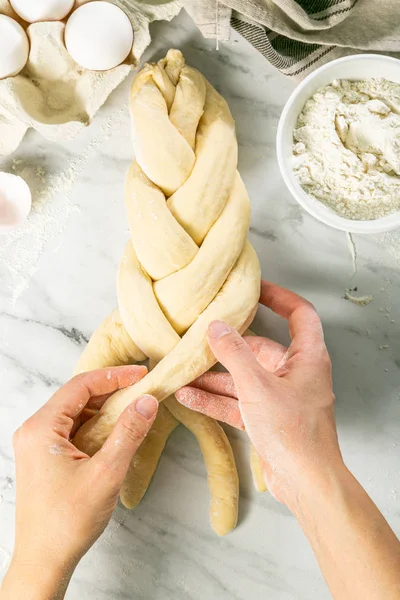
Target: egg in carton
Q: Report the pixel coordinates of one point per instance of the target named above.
(54, 94)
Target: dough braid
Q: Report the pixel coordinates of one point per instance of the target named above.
(187, 263)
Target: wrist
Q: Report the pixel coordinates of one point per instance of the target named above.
(45, 579)
(316, 486)
(318, 490)
(45, 553)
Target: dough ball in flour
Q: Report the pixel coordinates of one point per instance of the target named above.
(99, 36)
(42, 10)
(14, 47)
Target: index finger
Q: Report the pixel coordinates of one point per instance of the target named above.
(71, 399)
(304, 323)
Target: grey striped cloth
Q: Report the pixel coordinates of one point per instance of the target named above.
(296, 36)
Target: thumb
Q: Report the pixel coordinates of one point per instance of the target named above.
(235, 355)
(129, 432)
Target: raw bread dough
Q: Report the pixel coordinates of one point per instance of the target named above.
(145, 461)
(257, 470)
(188, 263)
(220, 462)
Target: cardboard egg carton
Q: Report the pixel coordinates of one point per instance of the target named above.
(52, 93)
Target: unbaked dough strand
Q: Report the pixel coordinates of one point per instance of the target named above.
(218, 456)
(109, 346)
(202, 278)
(257, 470)
(145, 461)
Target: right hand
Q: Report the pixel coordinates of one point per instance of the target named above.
(281, 396)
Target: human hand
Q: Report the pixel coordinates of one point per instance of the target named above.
(281, 396)
(64, 498)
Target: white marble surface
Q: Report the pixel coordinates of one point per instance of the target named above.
(58, 282)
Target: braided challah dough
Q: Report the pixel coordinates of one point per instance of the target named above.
(188, 262)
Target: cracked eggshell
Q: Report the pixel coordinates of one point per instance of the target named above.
(15, 201)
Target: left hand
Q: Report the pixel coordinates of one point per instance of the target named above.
(64, 498)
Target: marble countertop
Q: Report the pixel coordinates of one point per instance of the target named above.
(58, 282)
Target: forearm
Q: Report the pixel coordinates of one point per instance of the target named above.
(357, 551)
(34, 582)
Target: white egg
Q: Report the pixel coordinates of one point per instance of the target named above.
(15, 201)
(14, 47)
(99, 36)
(42, 10)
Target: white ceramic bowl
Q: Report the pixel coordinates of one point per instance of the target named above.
(361, 66)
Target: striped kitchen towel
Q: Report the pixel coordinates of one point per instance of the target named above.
(296, 36)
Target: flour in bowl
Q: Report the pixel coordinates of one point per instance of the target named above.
(347, 147)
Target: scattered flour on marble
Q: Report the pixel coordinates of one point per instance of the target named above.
(390, 242)
(21, 250)
(386, 289)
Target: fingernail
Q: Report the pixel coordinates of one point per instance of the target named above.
(218, 329)
(146, 406)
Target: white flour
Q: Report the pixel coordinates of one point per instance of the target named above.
(21, 249)
(55, 449)
(347, 147)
